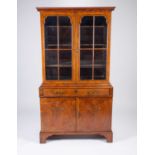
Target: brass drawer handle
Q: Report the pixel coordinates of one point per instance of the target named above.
(61, 92)
(75, 91)
(92, 92)
(57, 108)
(58, 92)
(55, 102)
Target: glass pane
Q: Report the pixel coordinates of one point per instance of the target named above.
(99, 73)
(100, 57)
(63, 20)
(51, 57)
(100, 37)
(65, 73)
(86, 57)
(51, 21)
(86, 37)
(65, 57)
(50, 37)
(87, 20)
(51, 73)
(100, 21)
(86, 73)
(65, 37)
(51, 32)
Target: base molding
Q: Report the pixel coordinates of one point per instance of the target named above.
(108, 135)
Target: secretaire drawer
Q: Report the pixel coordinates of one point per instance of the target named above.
(47, 92)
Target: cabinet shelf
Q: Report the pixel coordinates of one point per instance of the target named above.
(95, 46)
(99, 77)
(52, 26)
(69, 49)
(86, 66)
(56, 49)
(99, 66)
(91, 26)
(69, 66)
(91, 44)
(59, 44)
(95, 49)
(90, 66)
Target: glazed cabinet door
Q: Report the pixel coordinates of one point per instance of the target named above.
(92, 48)
(58, 48)
(58, 114)
(94, 114)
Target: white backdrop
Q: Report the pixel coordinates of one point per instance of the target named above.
(123, 77)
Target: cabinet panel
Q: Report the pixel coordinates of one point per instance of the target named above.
(57, 114)
(94, 114)
(58, 48)
(93, 48)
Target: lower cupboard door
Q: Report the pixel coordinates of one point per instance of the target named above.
(94, 114)
(58, 114)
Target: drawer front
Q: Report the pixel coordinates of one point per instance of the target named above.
(76, 92)
(57, 114)
(93, 92)
(58, 92)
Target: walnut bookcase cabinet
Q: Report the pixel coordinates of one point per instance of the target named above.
(75, 95)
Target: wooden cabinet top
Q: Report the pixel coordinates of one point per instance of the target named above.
(75, 8)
